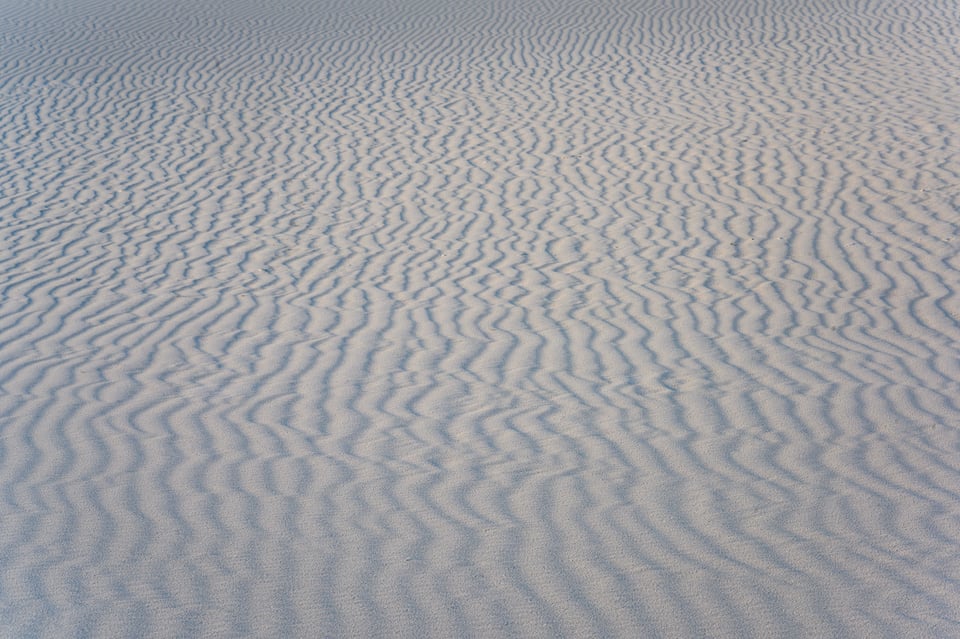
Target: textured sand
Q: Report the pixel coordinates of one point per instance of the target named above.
(411, 318)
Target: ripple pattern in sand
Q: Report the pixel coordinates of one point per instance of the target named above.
(517, 319)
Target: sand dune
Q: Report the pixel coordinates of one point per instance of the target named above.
(539, 319)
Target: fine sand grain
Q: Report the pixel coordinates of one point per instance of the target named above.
(488, 318)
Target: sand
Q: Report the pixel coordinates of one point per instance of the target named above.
(427, 318)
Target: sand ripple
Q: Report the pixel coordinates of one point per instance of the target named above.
(538, 319)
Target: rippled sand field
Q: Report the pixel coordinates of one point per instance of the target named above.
(416, 318)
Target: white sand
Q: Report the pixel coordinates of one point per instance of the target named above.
(561, 318)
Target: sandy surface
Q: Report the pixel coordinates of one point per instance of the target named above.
(607, 318)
